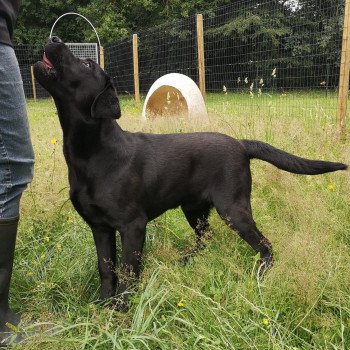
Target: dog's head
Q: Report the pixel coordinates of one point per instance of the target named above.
(80, 82)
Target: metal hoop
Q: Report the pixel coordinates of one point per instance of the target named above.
(76, 14)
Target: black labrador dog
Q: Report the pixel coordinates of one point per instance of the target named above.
(121, 180)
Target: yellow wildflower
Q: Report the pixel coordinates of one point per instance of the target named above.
(331, 187)
(181, 303)
(265, 322)
(29, 274)
(47, 238)
(53, 141)
(59, 247)
(42, 256)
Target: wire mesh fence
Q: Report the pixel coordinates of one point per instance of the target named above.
(287, 46)
(163, 49)
(27, 55)
(276, 55)
(266, 56)
(170, 48)
(270, 56)
(85, 50)
(119, 64)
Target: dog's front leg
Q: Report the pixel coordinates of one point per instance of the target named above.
(105, 242)
(133, 239)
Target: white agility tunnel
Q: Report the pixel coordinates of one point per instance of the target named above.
(174, 95)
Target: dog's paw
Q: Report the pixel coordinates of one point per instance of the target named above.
(184, 259)
(117, 303)
(265, 264)
(101, 302)
(191, 253)
(120, 304)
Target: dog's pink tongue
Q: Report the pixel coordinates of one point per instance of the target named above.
(47, 62)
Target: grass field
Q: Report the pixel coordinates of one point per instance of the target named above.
(215, 301)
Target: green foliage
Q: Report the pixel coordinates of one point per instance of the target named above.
(109, 22)
(254, 27)
(112, 19)
(37, 17)
(117, 19)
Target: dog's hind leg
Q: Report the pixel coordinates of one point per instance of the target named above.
(238, 216)
(105, 242)
(133, 239)
(198, 220)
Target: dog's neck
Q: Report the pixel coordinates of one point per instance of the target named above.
(71, 117)
(84, 136)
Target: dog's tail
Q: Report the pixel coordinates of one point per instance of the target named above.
(287, 161)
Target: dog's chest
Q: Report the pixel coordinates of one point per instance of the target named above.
(92, 209)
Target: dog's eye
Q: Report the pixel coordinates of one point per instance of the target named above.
(87, 64)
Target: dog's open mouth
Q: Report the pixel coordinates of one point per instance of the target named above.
(48, 67)
(47, 63)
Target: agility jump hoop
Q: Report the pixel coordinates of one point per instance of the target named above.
(101, 56)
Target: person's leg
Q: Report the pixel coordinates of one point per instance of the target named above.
(8, 229)
(16, 171)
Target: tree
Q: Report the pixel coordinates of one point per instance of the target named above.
(112, 19)
(37, 17)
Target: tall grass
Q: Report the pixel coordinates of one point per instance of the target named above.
(215, 301)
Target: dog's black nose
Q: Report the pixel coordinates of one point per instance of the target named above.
(56, 39)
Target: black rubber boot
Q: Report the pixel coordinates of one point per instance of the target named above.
(8, 319)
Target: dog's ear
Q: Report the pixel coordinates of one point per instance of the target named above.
(106, 104)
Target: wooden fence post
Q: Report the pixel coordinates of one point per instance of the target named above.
(102, 57)
(344, 73)
(135, 53)
(200, 47)
(33, 82)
